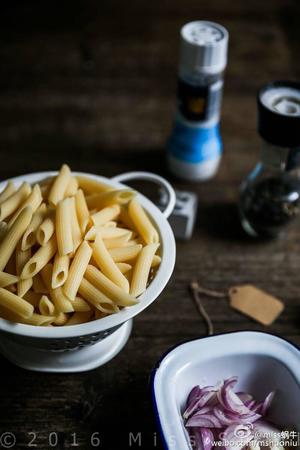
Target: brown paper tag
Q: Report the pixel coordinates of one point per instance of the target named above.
(255, 303)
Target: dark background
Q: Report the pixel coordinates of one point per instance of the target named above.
(92, 83)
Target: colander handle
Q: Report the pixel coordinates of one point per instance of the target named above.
(157, 180)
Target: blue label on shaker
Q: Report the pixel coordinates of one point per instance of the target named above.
(195, 145)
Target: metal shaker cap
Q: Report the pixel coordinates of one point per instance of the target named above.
(203, 47)
(279, 113)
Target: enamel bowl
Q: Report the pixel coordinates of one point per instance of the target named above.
(262, 362)
(86, 346)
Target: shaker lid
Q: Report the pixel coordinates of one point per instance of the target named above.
(203, 47)
(279, 113)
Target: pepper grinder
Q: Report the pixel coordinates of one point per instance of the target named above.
(270, 195)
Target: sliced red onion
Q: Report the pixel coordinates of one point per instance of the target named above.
(203, 420)
(207, 438)
(225, 418)
(193, 395)
(200, 401)
(230, 400)
(267, 403)
(245, 397)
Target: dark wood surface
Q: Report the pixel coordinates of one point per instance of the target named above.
(93, 84)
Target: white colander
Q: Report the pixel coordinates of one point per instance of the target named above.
(83, 347)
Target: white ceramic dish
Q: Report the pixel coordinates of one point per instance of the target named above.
(262, 362)
(86, 346)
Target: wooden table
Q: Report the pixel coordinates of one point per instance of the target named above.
(93, 84)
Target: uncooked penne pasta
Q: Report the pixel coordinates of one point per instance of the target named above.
(29, 237)
(6, 279)
(92, 186)
(39, 260)
(13, 235)
(82, 210)
(123, 254)
(61, 302)
(106, 233)
(126, 219)
(12, 203)
(59, 186)
(39, 320)
(79, 317)
(64, 227)
(111, 223)
(104, 199)
(33, 200)
(61, 319)
(141, 269)
(105, 285)
(22, 257)
(118, 241)
(46, 307)
(77, 270)
(72, 187)
(80, 305)
(105, 215)
(107, 265)
(142, 223)
(124, 267)
(38, 285)
(96, 298)
(15, 304)
(60, 270)
(7, 191)
(45, 230)
(76, 231)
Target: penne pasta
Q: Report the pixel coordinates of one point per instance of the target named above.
(110, 289)
(96, 298)
(33, 200)
(61, 302)
(13, 235)
(76, 231)
(141, 269)
(22, 257)
(123, 254)
(64, 228)
(111, 223)
(124, 267)
(7, 191)
(45, 231)
(72, 187)
(105, 215)
(61, 319)
(142, 223)
(104, 199)
(60, 270)
(80, 305)
(77, 270)
(82, 210)
(29, 237)
(15, 304)
(79, 317)
(39, 320)
(59, 186)
(39, 260)
(12, 203)
(6, 279)
(92, 186)
(118, 241)
(107, 265)
(106, 233)
(156, 261)
(46, 307)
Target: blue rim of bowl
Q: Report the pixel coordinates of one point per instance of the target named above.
(163, 356)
